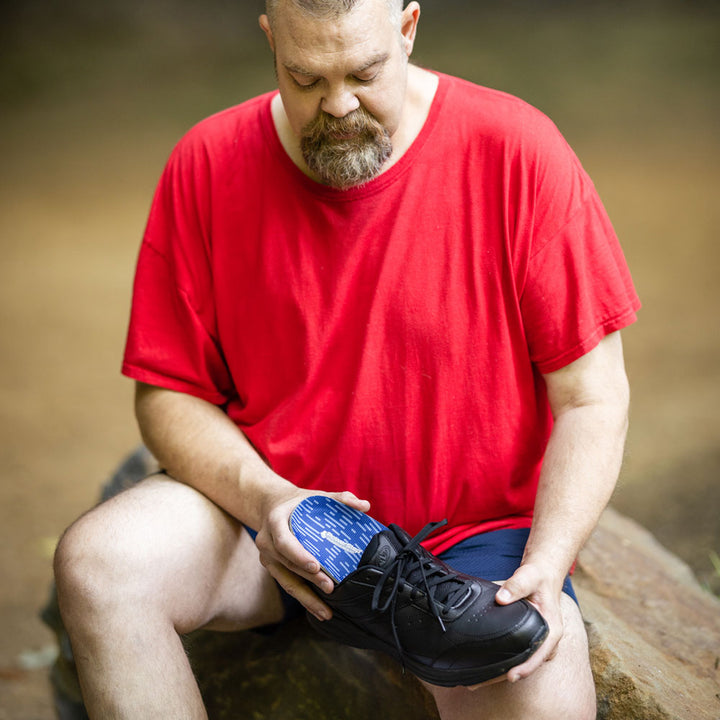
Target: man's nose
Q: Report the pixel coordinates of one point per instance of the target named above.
(340, 101)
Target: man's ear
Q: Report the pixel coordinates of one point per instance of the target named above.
(265, 25)
(408, 25)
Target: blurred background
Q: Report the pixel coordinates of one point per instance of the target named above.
(93, 95)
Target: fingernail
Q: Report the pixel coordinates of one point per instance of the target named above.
(503, 595)
(322, 616)
(312, 567)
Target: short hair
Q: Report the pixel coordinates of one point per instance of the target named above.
(328, 9)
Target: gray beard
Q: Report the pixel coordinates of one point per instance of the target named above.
(341, 161)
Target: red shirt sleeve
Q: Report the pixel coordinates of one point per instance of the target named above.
(172, 338)
(575, 286)
(578, 290)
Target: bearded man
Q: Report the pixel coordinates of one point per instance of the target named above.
(382, 284)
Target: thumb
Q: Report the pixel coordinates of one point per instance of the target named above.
(520, 585)
(352, 500)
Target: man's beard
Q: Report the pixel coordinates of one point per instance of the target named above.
(345, 151)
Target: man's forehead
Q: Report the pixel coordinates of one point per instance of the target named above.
(354, 40)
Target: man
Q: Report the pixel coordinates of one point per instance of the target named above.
(384, 284)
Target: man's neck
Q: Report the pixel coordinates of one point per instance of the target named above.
(421, 89)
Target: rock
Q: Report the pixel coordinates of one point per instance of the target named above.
(294, 674)
(654, 632)
(654, 640)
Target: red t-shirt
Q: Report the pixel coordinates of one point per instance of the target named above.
(386, 339)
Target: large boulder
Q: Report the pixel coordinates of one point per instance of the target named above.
(294, 674)
(654, 639)
(654, 632)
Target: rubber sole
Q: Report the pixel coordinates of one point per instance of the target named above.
(347, 633)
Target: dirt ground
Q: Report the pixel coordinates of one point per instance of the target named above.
(91, 103)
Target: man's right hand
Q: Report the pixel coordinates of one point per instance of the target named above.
(286, 559)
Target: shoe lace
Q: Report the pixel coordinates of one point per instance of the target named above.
(424, 572)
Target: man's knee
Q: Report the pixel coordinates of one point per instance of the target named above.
(505, 702)
(93, 565)
(78, 563)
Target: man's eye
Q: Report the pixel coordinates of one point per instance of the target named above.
(364, 80)
(305, 83)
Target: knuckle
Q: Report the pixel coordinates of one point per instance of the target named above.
(291, 590)
(263, 540)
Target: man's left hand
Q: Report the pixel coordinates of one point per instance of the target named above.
(542, 589)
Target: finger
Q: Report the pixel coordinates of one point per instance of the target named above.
(494, 681)
(290, 552)
(520, 585)
(299, 590)
(352, 500)
(320, 579)
(541, 656)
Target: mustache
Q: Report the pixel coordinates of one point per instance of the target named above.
(357, 123)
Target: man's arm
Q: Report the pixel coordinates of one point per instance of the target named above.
(589, 400)
(198, 444)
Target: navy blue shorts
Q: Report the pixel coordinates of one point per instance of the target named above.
(493, 555)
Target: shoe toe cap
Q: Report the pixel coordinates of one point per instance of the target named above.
(506, 628)
(495, 638)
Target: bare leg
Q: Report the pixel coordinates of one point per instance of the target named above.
(154, 562)
(561, 688)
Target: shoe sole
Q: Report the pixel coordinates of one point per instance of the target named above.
(348, 633)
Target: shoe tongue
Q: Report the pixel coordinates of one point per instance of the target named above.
(382, 549)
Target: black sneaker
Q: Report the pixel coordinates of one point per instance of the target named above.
(442, 625)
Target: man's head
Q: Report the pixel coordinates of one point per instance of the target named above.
(342, 74)
(329, 9)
